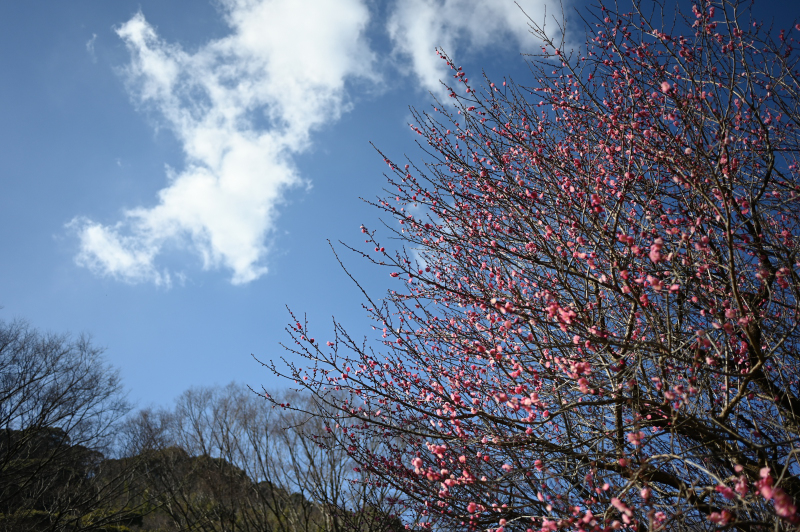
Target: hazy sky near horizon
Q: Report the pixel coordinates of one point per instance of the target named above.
(173, 171)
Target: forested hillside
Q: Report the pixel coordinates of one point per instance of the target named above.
(74, 456)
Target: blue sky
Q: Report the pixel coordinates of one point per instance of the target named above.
(172, 171)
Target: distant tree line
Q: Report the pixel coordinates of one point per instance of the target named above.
(74, 456)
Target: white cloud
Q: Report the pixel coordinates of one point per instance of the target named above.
(90, 47)
(418, 27)
(285, 64)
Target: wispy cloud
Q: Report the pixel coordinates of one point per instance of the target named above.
(418, 27)
(241, 107)
(90, 47)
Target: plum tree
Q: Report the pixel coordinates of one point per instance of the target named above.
(595, 323)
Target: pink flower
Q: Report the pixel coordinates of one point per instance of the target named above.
(656, 283)
(725, 491)
(619, 505)
(635, 437)
(720, 519)
(655, 250)
(784, 506)
(665, 87)
(741, 486)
